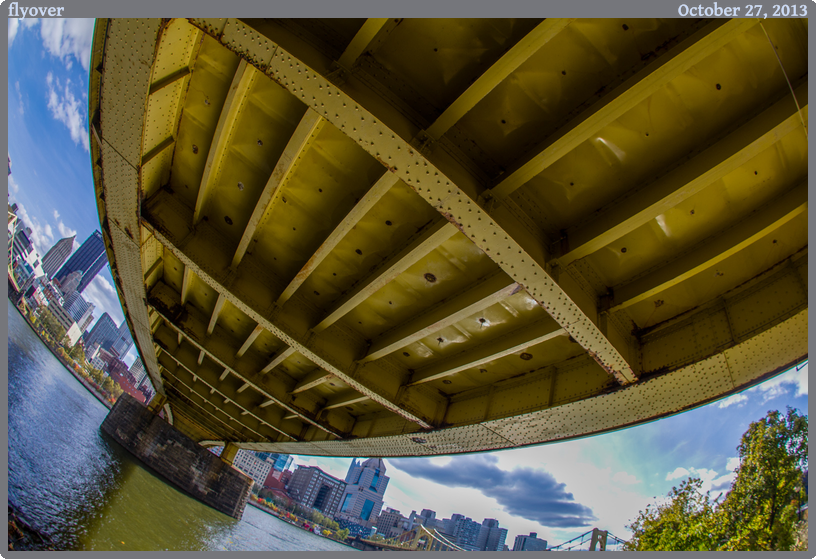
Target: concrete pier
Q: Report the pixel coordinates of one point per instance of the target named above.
(177, 458)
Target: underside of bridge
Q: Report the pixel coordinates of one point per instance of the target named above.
(394, 237)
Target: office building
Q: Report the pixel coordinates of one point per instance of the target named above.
(57, 255)
(529, 543)
(80, 309)
(312, 487)
(103, 333)
(123, 341)
(391, 523)
(88, 259)
(251, 465)
(137, 370)
(363, 497)
(491, 537)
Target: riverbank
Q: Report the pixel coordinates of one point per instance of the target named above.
(295, 524)
(88, 386)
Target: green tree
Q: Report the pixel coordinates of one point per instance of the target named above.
(52, 324)
(342, 534)
(760, 511)
(684, 523)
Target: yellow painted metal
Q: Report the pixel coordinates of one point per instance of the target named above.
(496, 74)
(633, 92)
(361, 41)
(655, 260)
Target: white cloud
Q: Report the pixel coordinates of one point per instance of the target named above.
(625, 478)
(732, 464)
(65, 231)
(100, 292)
(735, 399)
(678, 473)
(41, 235)
(56, 214)
(67, 109)
(68, 39)
(12, 185)
(20, 106)
(790, 381)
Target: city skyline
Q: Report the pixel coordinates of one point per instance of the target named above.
(595, 481)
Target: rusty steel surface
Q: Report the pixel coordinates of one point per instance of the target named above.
(397, 237)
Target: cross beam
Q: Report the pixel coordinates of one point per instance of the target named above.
(615, 104)
(430, 182)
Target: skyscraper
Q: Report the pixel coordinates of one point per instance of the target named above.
(104, 333)
(79, 309)
(88, 259)
(363, 497)
(57, 255)
(123, 340)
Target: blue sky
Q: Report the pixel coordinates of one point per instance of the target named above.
(48, 140)
(557, 490)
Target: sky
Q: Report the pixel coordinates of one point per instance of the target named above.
(51, 179)
(558, 490)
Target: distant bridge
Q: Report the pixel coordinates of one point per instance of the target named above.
(399, 237)
(422, 539)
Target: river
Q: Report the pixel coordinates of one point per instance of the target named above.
(85, 492)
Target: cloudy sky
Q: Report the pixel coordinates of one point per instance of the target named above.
(557, 490)
(48, 140)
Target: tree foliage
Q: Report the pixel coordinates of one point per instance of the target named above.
(760, 511)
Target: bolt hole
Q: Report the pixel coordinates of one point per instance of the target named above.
(228, 220)
(526, 356)
(430, 278)
(446, 381)
(625, 27)
(756, 173)
(260, 143)
(504, 121)
(623, 250)
(195, 149)
(406, 354)
(719, 87)
(563, 72)
(240, 186)
(482, 370)
(316, 293)
(387, 222)
(358, 251)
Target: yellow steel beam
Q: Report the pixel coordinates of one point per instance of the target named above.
(219, 349)
(430, 182)
(646, 82)
(185, 285)
(485, 293)
(226, 394)
(241, 83)
(714, 250)
(278, 359)
(315, 378)
(160, 84)
(375, 193)
(511, 343)
(300, 343)
(360, 42)
(688, 179)
(345, 399)
(417, 248)
(249, 341)
(304, 134)
(497, 73)
(186, 405)
(219, 305)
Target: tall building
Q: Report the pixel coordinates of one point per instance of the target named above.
(363, 497)
(104, 333)
(88, 259)
(529, 543)
(391, 523)
(138, 371)
(123, 340)
(312, 487)
(57, 255)
(491, 537)
(24, 249)
(251, 465)
(466, 533)
(76, 305)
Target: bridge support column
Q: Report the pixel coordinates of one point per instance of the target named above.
(177, 458)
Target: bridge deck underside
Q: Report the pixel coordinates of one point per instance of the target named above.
(414, 237)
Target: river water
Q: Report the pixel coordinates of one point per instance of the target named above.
(76, 485)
